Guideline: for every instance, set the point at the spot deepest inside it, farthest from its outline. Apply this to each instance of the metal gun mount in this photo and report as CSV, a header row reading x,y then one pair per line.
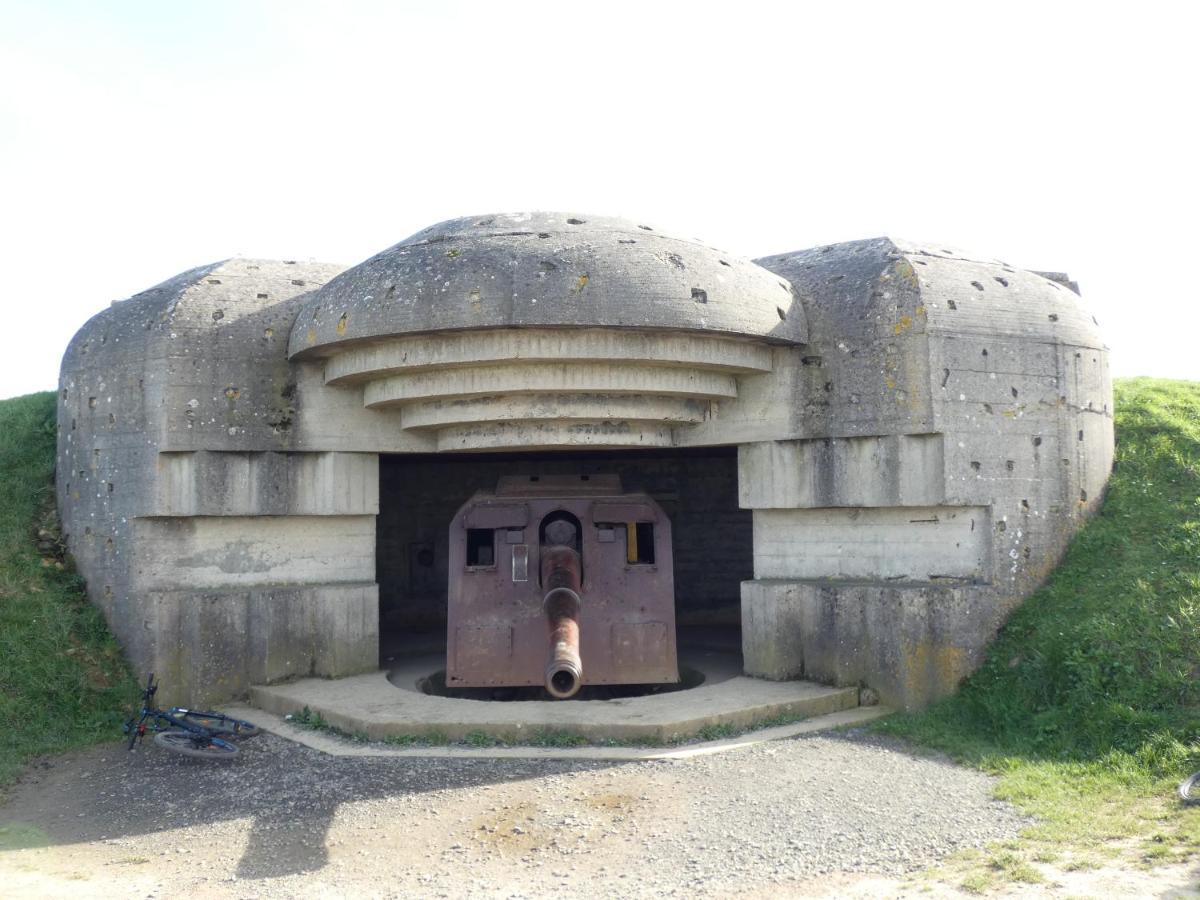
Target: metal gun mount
x,y
561,581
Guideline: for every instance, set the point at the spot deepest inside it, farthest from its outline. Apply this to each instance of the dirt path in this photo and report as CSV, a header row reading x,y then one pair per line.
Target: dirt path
x,y
817,816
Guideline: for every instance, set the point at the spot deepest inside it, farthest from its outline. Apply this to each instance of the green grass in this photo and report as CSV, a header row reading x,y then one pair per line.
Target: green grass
x,y
63,682
1088,705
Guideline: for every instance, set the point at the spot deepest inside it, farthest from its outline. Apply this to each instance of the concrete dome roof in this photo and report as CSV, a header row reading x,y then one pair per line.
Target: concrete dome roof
x,y
547,270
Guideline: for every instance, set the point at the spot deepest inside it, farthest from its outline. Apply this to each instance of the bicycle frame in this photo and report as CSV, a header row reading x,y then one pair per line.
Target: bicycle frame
x,y
161,720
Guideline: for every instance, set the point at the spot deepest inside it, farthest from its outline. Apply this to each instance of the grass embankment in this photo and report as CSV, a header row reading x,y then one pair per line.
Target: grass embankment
x,y
63,682
1088,706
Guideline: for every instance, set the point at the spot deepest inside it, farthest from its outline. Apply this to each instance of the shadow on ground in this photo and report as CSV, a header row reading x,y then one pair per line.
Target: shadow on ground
x,y
292,793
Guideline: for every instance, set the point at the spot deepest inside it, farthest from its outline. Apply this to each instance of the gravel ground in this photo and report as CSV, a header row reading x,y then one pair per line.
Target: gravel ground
x,y
284,821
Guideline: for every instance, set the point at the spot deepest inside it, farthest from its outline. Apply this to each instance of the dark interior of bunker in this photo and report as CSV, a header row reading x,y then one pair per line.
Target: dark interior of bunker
x,y
420,494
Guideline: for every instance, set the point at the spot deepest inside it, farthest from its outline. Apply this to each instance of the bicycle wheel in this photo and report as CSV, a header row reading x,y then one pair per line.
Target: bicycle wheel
x,y
221,725
196,746
1189,791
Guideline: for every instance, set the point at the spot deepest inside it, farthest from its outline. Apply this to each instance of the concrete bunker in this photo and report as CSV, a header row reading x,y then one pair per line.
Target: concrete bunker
x,y
255,457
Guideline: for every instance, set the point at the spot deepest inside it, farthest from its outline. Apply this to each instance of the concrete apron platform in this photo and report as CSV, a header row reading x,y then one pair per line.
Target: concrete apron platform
x,y
379,708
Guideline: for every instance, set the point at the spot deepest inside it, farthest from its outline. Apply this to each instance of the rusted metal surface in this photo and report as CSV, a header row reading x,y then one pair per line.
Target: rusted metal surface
x,y
561,576
576,589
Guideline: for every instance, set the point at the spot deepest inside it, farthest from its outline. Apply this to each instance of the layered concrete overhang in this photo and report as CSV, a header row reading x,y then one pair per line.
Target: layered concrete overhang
x,y
548,329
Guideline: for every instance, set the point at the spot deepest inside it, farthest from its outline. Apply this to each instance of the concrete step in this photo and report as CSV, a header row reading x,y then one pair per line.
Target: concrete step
x,y
376,707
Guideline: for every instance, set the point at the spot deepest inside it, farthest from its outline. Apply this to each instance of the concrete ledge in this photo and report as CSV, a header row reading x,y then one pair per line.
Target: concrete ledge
x,y
337,746
372,706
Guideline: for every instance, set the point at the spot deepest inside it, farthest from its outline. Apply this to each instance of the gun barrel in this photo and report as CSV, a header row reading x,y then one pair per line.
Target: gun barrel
x,y
561,573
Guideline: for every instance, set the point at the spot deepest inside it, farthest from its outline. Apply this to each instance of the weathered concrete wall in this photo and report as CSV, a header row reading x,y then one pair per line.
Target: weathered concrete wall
x,y
185,536
981,394
919,433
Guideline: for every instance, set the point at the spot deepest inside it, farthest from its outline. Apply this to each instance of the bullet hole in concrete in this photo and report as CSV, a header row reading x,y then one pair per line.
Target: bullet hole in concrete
x,y
576,222
627,241
218,315
987,408
1037,440
952,304
91,402
1003,281
232,393
1079,356
64,393
1080,436
985,351
1014,392
1053,317
1009,464
722,262
543,234
298,282
645,228
262,296
108,590
700,296
87,531
945,376
810,361
1025,505
268,333
108,544
1083,496
112,419
976,465
676,260
72,424
110,487
977,285
828,386
214,280
391,292
546,266
782,314
1002,525
1025,552
341,323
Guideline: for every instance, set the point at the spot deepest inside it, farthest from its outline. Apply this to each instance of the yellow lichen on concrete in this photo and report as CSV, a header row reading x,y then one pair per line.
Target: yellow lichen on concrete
x,y
926,663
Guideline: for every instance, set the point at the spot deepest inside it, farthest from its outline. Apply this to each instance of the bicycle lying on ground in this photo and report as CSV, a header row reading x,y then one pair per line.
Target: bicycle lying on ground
x,y
190,732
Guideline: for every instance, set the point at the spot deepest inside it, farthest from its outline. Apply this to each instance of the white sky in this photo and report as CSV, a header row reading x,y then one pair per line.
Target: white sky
x,y
141,139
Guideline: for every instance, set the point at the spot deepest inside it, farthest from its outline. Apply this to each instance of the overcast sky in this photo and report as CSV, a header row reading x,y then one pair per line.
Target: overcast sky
x,y
141,139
